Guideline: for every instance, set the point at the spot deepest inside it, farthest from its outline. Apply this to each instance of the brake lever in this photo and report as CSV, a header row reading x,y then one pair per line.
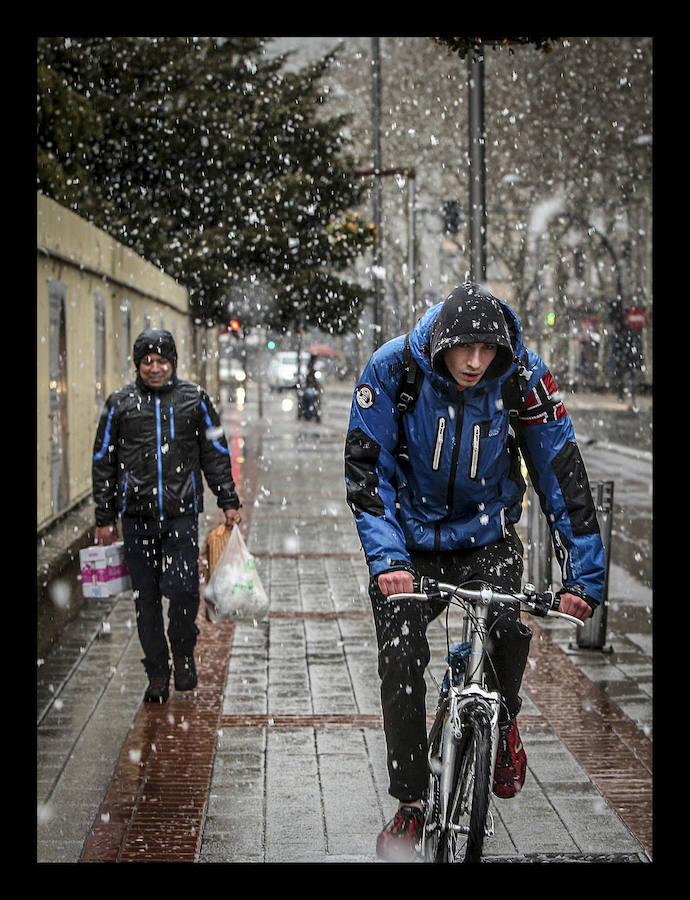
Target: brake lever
x,y
424,589
429,586
544,603
547,604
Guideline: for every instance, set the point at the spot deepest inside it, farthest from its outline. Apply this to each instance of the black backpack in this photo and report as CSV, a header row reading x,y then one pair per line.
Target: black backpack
x,y
514,391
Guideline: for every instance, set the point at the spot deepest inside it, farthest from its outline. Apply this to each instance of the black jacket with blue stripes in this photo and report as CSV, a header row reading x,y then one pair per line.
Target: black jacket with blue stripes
x,y
151,449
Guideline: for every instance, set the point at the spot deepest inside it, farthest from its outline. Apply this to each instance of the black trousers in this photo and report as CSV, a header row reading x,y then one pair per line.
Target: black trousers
x,y
163,561
404,653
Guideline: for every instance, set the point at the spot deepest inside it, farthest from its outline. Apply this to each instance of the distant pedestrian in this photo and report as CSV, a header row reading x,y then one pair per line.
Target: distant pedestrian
x,y
436,489
155,438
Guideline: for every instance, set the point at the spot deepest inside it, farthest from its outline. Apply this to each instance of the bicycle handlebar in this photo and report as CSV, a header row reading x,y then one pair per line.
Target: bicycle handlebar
x,y
537,604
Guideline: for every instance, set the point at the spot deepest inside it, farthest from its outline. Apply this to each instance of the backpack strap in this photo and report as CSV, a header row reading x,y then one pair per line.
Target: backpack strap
x,y
408,391
411,382
514,391
514,394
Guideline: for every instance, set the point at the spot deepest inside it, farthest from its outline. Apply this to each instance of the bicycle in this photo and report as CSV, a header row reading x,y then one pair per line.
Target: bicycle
x,y
463,739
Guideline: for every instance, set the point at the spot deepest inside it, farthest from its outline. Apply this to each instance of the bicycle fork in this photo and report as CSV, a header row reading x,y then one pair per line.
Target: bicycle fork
x,y
449,746
474,675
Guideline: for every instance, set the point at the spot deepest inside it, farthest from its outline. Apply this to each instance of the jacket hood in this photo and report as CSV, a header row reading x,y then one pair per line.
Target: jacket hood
x,y
155,340
469,314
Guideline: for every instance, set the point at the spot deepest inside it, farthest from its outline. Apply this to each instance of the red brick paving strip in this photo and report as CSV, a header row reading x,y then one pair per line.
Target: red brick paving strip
x,y
616,755
155,807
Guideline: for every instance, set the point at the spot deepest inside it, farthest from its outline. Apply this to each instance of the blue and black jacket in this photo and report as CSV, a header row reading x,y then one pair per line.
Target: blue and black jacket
x,y
151,449
459,485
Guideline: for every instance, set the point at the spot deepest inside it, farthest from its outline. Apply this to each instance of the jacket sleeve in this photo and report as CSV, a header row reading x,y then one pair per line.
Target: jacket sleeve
x,y
214,456
558,475
104,466
370,472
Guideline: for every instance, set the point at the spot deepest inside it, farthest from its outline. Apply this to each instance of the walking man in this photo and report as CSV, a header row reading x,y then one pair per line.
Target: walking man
x,y
155,438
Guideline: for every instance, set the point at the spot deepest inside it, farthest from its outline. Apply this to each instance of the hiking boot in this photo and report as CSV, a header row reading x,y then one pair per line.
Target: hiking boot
x,y
511,762
399,839
158,688
185,673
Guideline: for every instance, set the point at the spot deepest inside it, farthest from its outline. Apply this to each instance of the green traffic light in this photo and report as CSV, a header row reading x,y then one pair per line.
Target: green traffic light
x,y
271,345
550,318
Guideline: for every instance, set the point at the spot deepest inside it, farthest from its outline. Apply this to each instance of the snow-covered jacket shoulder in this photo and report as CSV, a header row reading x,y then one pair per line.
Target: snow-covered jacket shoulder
x,y
459,484
150,451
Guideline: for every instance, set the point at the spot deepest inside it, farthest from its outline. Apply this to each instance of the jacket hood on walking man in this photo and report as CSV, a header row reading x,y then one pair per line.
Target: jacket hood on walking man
x,y
155,358
155,340
459,485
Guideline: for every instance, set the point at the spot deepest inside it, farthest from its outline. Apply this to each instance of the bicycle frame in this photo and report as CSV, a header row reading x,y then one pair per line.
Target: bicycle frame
x,y
461,702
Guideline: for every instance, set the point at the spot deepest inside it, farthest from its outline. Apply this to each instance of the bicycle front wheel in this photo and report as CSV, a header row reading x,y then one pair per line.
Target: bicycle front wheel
x,y
463,840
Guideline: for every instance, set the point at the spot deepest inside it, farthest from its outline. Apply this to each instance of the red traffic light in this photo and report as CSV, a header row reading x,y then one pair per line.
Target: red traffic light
x,y
235,325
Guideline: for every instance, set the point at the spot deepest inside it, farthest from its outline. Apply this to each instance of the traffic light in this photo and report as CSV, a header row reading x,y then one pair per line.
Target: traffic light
x,y
451,217
551,318
235,327
271,345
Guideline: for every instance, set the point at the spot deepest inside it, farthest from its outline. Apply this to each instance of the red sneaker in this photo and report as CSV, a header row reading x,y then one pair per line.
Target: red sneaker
x,y
398,840
511,762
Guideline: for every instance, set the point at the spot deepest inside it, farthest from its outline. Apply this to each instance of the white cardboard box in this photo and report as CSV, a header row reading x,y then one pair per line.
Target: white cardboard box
x,y
104,571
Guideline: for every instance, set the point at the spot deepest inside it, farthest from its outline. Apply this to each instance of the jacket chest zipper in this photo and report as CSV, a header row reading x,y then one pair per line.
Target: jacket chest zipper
x,y
454,458
453,470
438,446
476,442
159,455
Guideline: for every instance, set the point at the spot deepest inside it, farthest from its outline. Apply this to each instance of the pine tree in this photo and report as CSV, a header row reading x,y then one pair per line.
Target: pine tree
x,y
208,159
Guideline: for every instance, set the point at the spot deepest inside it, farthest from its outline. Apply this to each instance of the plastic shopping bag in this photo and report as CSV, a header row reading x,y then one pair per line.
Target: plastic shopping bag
x,y
235,590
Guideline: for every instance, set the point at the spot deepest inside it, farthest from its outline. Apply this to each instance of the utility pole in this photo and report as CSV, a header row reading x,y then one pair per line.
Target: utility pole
x,y
376,154
411,250
477,136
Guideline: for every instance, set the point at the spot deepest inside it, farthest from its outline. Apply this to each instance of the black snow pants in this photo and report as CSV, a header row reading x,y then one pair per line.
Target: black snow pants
x,y
163,560
404,652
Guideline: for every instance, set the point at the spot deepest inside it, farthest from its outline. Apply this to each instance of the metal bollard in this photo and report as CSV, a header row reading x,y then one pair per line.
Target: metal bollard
x,y
539,548
592,635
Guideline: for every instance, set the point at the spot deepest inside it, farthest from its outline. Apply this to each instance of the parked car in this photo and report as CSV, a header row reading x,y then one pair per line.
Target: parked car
x,y
282,370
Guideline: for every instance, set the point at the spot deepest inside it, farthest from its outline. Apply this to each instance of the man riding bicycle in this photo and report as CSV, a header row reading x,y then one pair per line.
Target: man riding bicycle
x,y
436,489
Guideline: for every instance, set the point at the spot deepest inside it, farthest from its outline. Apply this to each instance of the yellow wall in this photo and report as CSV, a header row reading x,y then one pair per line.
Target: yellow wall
x,y
87,261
